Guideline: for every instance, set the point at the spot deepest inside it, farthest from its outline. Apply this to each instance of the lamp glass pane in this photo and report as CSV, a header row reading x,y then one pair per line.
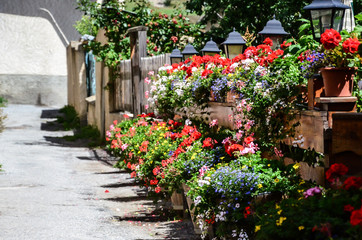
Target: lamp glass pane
x,y
210,53
322,20
233,50
176,60
186,56
338,19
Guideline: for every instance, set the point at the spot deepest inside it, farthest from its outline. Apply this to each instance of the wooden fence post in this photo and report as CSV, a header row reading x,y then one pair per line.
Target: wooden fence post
x,y
138,42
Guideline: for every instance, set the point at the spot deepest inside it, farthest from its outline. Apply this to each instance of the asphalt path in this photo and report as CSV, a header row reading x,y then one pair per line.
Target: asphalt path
x,y
50,189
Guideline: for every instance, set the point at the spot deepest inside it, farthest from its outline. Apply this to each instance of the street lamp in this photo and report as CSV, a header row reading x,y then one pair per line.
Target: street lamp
x,y
234,44
210,48
176,56
326,14
275,31
189,51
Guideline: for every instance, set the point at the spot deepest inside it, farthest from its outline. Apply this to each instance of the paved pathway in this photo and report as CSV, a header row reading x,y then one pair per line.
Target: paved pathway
x,y
49,190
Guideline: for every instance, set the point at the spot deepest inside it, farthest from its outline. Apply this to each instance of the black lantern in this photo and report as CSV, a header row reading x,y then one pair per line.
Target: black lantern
x,y
326,14
234,44
189,51
176,56
210,48
275,31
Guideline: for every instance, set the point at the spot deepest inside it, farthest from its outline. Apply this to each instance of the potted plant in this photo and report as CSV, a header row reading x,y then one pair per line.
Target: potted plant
x,y
341,62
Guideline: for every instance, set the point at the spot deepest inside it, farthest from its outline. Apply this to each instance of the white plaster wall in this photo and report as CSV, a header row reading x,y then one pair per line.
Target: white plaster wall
x,y
34,35
30,45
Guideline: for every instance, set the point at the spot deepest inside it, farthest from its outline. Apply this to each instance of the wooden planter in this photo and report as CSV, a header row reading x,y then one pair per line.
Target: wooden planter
x,y
189,202
177,200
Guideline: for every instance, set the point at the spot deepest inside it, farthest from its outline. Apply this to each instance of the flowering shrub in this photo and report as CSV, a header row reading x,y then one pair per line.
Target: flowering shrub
x,y
317,213
228,193
165,31
340,53
265,87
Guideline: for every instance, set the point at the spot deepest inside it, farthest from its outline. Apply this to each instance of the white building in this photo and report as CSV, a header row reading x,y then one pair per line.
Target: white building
x,y
33,39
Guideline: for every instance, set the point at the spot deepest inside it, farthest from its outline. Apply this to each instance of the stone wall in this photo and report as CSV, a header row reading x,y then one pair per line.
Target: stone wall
x,y
34,37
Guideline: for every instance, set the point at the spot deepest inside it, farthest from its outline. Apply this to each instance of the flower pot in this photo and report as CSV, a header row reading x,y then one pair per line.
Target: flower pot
x,y
338,82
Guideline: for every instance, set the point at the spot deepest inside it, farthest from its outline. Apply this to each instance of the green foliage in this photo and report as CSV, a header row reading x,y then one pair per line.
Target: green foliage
x,y
88,132
69,118
322,216
242,14
165,33
85,26
70,121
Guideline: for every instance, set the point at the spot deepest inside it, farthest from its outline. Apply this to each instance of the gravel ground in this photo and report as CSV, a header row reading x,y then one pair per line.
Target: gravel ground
x,y
53,189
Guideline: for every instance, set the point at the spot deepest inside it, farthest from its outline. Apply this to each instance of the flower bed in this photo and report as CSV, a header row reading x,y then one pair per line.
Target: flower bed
x,y
235,191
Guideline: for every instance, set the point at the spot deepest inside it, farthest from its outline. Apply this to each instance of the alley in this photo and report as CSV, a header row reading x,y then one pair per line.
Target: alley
x,y
49,190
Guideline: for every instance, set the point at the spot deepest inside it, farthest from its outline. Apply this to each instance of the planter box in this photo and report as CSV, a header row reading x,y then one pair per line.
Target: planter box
x,y
189,202
177,200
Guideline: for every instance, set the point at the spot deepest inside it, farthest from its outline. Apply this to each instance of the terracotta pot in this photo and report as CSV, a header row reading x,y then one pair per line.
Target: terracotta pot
x,y
338,82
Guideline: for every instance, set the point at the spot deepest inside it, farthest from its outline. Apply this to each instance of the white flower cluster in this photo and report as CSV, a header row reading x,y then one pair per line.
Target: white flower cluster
x,y
221,216
202,182
242,235
247,63
298,140
197,200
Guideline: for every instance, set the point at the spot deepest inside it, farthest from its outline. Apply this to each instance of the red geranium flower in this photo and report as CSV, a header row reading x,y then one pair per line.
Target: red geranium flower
x,y
233,148
268,41
284,45
209,142
330,38
206,72
356,217
157,189
336,170
350,45
247,211
248,140
355,182
348,208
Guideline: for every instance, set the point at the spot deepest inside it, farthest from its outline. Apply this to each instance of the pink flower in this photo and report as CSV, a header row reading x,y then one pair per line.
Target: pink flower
x,y
147,80
147,94
108,134
124,146
151,73
146,106
214,122
202,170
174,39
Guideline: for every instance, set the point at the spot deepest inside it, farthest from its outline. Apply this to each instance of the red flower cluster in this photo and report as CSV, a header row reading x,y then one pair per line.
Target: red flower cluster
x,y
144,145
231,147
356,217
209,142
268,41
350,45
352,182
285,45
335,171
330,39
247,211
